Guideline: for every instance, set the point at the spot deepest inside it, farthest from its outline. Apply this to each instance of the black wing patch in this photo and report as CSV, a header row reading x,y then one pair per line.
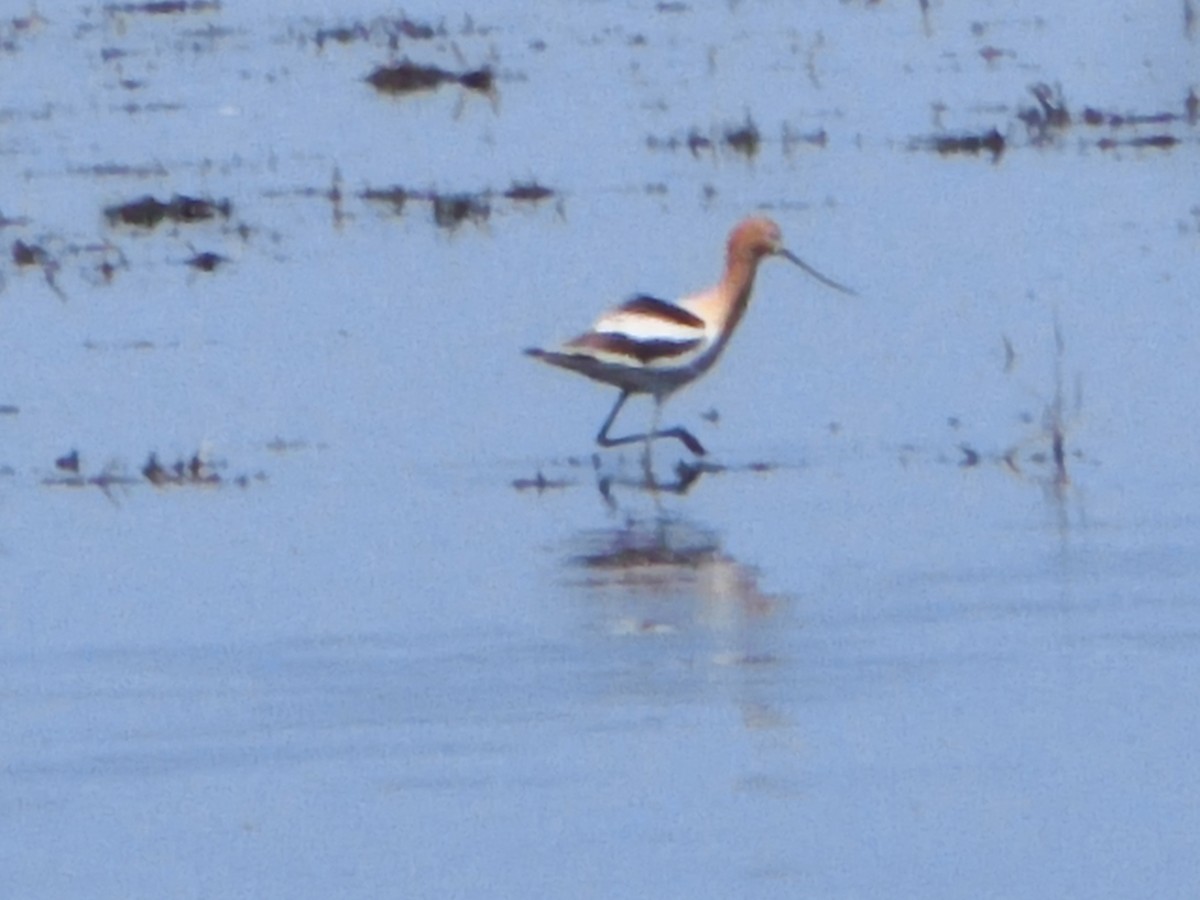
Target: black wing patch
x,y
623,345
661,309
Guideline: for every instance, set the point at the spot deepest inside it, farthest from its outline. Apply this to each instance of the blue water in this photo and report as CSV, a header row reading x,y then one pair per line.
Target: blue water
x,y
890,648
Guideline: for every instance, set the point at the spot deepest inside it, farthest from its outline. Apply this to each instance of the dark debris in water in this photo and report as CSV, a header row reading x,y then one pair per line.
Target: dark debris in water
x,y
105,481
396,196
452,209
744,139
164,7
406,77
281,445
540,483
7,222
991,142
68,462
528,192
389,29
139,345
16,28
1049,118
1097,118
792,139
1153,141
148,211
194,471
97,262
206,261
24,254
684,476
27,255
1042,455
121,170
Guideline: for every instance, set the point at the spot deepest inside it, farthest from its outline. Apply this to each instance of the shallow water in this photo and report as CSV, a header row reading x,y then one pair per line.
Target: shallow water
x,y
928,629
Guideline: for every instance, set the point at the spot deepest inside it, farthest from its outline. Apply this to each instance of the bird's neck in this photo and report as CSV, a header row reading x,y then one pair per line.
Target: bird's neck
x,y
723,305
734,290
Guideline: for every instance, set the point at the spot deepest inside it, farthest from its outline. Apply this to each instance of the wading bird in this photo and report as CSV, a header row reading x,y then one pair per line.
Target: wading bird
x,y
652,346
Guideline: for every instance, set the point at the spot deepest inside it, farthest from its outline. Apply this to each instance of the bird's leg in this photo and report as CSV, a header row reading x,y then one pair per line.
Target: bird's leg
x,y
647,460
602,437
680,434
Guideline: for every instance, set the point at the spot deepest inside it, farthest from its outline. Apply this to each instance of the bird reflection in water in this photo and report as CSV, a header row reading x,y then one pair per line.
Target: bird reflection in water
x,y
691,619
665,576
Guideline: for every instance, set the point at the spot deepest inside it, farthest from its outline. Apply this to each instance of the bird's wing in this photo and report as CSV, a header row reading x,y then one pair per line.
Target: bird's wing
x,y
648,318
643,331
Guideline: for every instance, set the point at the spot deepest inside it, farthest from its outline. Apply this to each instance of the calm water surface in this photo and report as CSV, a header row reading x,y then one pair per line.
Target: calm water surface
x,y
931,628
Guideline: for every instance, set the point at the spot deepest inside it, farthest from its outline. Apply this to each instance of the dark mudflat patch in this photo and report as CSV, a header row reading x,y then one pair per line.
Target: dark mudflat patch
x,y
407,77
148,211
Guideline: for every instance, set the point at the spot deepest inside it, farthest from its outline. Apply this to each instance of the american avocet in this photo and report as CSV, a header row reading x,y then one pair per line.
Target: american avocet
x,y
651,346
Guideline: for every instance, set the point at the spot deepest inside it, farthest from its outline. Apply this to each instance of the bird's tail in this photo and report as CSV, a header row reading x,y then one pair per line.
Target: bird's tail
x,y
574,362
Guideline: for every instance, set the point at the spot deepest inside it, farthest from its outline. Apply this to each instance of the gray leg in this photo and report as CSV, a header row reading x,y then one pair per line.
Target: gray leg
x,y
680,434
